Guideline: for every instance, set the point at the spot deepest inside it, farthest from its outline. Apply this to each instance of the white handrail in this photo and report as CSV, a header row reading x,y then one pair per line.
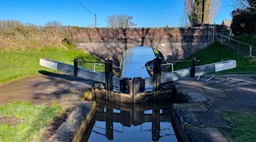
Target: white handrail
x,y
228,37
237,41
167,64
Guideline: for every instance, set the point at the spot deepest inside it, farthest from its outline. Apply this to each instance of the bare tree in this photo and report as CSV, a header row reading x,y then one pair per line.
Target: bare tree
x,y
243,4
184,21
120,21
10,24
193,9
15,34
54,24
240,4
55,28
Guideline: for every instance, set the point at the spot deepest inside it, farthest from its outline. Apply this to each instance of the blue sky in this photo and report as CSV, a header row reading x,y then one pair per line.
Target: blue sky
x,y
146,13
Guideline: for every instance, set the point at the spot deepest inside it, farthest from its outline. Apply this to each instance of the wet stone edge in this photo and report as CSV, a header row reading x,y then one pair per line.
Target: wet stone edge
x,y
188,125
73,129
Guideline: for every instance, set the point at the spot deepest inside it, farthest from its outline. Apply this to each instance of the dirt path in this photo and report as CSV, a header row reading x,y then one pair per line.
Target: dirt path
x,y
48,89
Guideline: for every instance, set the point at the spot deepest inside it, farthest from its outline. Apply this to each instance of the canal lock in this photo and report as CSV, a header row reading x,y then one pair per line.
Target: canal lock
x,y
134,111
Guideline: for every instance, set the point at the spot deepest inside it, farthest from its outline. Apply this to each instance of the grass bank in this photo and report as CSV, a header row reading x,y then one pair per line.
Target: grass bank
x,y
24,122
217,52
242,129
17,63
251,39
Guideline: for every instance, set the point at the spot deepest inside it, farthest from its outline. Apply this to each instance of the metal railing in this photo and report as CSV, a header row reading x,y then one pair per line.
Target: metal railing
x,y
76,62
239,46
172,64
97,64
167,64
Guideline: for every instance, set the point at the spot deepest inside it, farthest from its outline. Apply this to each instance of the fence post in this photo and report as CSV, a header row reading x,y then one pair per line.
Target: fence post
x,y
229,41
75,67
156,77
172,67
221,40
193,68
213,34
250,54
108,77
238,45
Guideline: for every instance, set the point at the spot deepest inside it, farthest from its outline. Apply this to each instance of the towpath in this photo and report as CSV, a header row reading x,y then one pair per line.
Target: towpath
x,y
50,89
207,99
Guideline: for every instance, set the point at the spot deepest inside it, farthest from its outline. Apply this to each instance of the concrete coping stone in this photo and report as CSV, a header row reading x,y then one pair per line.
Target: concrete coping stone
x,y
193,97
189,125
81,115
189,107
185,116
204,135
196,97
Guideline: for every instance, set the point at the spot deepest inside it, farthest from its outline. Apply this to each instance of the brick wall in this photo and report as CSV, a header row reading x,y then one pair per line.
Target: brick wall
x,y
174,43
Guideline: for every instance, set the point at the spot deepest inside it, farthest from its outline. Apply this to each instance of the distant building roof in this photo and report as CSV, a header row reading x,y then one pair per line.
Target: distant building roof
x,y
226,23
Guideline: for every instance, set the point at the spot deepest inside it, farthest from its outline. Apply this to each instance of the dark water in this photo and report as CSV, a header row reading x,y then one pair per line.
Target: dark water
x,y
134,61
131,123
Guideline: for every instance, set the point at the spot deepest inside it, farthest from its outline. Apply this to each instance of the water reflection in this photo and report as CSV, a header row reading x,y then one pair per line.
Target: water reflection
x,y
134,61
136,122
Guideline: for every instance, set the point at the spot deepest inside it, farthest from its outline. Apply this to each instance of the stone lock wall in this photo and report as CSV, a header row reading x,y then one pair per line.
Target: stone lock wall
x,y
173,43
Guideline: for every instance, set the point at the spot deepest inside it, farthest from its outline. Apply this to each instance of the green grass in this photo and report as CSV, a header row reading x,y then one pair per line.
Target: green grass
x,y
32,121
216,53
251,39
18,63
243,127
